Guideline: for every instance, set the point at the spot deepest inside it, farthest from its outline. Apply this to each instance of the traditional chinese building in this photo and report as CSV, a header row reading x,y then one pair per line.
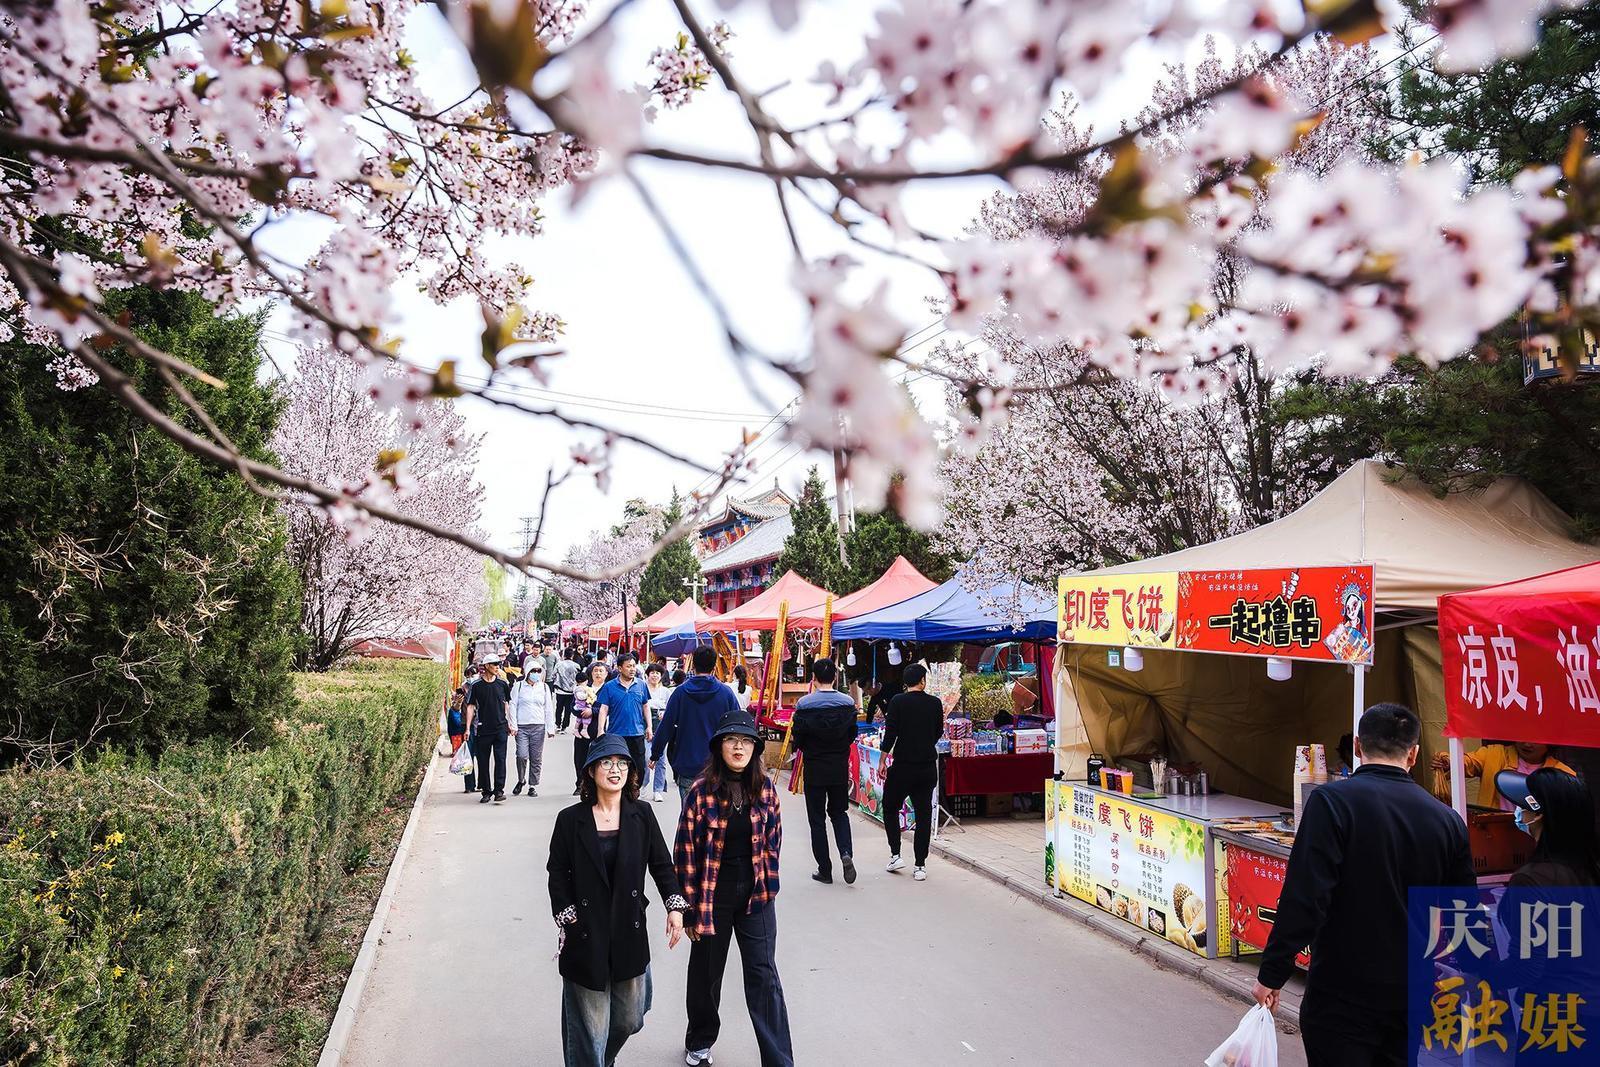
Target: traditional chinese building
x,y
738,547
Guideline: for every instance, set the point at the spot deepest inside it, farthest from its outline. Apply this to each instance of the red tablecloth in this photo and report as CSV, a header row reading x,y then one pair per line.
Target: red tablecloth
x,y
1016,772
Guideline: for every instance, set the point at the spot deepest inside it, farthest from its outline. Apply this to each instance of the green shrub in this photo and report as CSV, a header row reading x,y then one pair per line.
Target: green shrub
x,y
983,695
151,908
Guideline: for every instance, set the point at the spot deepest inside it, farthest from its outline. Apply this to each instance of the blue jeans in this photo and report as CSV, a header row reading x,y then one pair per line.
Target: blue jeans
x,y
658,782
595,1025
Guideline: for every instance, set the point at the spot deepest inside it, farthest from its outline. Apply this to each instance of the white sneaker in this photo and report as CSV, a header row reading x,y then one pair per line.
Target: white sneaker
x,y
659,798
920,874
895,864
697,1056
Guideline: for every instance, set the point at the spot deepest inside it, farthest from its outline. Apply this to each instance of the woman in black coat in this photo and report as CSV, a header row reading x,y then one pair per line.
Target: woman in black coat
x,y
598,856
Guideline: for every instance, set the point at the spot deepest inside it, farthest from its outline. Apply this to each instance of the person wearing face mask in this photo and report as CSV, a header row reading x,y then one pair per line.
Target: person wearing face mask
x,y
1361,844
1486,763
531,708
1554,808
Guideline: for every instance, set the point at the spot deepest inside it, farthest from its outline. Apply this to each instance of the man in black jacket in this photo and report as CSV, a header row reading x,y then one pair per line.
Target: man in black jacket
x,y
912,728
1361,844
487,700
824,729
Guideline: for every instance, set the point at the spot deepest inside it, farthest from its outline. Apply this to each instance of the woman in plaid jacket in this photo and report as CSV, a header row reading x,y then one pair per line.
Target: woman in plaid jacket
x,y
727,858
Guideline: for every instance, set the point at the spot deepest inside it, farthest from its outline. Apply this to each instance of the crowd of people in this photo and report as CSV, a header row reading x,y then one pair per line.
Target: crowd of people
x,y
631,730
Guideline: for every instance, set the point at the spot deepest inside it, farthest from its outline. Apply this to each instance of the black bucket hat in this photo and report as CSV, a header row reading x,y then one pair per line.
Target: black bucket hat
x,y
738,724
1513,785
607,745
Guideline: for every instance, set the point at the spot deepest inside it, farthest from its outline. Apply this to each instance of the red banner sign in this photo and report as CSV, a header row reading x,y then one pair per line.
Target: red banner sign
x,y
1255,881
1524,668
1317,613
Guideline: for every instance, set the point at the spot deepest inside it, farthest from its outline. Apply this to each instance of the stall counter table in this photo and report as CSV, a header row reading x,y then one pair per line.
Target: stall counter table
x,y
1008,772
1147,860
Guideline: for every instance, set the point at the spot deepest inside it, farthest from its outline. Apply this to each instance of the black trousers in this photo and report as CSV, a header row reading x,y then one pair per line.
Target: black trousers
x,y
763,992
491,743
637,750
1334,1038
563,710
825,803
914,783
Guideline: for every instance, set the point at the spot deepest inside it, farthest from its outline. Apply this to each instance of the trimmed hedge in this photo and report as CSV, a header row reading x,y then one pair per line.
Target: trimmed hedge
x,y
151,909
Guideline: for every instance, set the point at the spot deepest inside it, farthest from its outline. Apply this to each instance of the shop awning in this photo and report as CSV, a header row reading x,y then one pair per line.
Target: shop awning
x,y
1422,546
1522,659
951,612
900,582
761,613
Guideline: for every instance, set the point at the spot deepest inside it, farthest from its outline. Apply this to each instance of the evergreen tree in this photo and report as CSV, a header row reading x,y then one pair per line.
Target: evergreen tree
x,y
878,539
664,577
1468,421
812,548
1513,114
145,595
551,610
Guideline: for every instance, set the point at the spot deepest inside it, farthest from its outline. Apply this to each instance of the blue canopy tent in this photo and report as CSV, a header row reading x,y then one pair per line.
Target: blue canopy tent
x,y
952,613
679,641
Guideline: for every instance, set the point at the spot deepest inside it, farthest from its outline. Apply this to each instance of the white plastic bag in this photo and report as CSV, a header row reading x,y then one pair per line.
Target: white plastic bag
x,y
462,763
1253,1044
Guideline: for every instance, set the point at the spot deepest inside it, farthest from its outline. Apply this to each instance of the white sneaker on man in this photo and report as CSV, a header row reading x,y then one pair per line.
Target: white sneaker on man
x,y
660,797
695,1057
895,864
920,874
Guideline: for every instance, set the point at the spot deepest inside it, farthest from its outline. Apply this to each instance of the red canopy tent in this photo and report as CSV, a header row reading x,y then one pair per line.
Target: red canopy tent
x,y
611,629
900,582
651,623
683,614
761,613
1521,661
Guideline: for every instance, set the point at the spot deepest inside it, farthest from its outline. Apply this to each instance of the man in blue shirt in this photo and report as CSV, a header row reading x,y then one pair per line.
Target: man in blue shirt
x,y
623,704
692,715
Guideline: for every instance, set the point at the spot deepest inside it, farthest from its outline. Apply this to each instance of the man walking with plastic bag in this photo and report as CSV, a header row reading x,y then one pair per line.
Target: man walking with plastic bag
x,y
1361,844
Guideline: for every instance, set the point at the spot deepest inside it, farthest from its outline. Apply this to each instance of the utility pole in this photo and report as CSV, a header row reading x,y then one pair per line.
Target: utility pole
x,y
841,501
522,585
695,584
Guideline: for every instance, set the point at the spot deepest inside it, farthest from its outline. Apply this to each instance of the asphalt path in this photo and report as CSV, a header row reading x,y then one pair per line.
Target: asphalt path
x,y
954,970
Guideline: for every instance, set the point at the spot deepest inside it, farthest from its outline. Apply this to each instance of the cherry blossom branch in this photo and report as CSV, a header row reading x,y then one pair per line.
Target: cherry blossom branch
x,y
123,389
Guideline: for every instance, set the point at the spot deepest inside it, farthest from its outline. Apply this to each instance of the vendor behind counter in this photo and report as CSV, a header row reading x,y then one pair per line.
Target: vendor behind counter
x,y
1484,763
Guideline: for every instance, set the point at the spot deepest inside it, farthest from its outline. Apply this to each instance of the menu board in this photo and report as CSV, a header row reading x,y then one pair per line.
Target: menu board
x,y
1142,864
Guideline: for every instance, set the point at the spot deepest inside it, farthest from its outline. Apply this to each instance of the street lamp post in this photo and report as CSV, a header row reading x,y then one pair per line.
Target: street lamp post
x,y
622,587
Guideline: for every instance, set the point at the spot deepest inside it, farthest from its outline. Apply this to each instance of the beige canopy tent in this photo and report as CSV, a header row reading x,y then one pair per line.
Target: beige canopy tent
x,y
1223,712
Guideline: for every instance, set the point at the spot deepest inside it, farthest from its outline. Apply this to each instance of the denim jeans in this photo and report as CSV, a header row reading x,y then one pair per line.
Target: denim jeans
x,y
763,993
595,1025
658,781
685,781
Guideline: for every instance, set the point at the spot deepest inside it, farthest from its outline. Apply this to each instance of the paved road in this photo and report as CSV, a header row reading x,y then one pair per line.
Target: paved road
x,y
952,970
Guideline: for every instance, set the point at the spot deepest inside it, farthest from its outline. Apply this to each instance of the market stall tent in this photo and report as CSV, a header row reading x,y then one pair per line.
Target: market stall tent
x,y
901,581
951,613
610,629
761,613
651,622
1521,661
1209,708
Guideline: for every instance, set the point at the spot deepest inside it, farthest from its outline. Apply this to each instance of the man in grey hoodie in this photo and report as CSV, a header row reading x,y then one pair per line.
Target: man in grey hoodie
x,y
692,714
823,731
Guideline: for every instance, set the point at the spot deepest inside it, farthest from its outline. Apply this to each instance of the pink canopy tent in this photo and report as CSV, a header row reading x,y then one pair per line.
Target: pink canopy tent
x,y
651,623
900,582
682,615
761,613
